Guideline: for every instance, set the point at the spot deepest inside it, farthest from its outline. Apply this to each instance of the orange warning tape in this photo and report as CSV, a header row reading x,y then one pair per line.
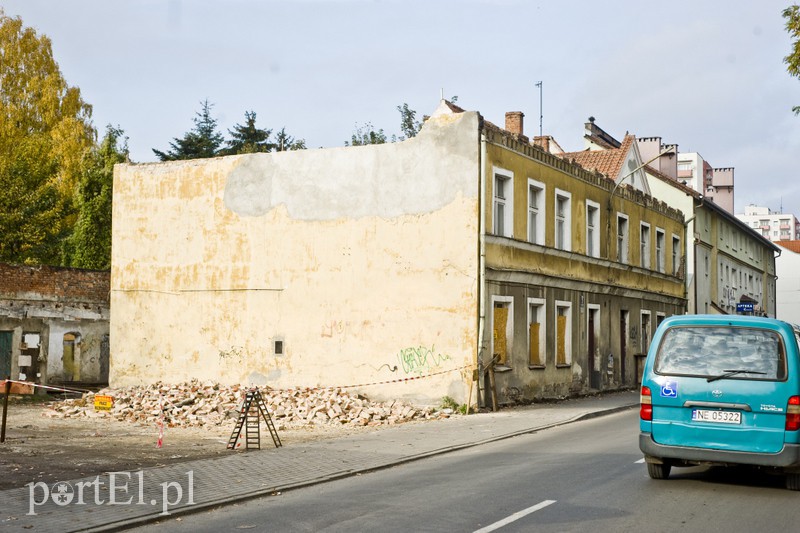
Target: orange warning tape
x,y
399,380
40,386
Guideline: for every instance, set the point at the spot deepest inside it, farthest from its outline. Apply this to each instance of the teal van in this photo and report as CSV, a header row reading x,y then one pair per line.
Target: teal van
x,y
722,390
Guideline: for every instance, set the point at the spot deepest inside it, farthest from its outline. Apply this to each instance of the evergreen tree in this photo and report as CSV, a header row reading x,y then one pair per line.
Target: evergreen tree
x,y
90,244
201,142
247,138
285,142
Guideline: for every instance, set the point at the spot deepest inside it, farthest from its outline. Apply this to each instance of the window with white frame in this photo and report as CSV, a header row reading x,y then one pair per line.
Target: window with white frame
x,y
536,332
563,333
503,213
644,245
502,328
592,229
622,238
660,243
563,217
676,255
536,214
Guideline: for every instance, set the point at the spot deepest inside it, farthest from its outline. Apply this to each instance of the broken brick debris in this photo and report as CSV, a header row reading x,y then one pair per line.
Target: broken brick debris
x,y
208,404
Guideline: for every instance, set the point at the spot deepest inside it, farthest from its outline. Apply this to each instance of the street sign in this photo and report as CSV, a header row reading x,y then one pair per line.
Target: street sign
x,y
103,402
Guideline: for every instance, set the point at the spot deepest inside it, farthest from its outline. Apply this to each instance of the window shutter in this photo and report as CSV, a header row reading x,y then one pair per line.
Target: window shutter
x,y
561,340
499,333
535,357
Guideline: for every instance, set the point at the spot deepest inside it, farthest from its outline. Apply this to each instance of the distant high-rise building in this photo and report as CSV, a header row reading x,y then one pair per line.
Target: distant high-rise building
x,y
772,226
714,183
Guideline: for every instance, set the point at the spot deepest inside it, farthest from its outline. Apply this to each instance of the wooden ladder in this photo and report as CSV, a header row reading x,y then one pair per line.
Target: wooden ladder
x,y
253,410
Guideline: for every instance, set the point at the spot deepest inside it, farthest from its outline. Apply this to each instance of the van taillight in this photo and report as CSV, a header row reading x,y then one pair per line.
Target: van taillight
x,y
646,409
793,414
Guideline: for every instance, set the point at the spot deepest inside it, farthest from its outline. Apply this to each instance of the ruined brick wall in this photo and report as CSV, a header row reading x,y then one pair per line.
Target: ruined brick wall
x,y
54,284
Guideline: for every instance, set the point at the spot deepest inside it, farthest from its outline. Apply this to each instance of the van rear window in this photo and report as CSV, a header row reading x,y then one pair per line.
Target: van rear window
x,y
708,351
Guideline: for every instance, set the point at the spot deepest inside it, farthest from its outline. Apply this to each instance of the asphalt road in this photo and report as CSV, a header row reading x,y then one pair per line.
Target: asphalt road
x,y
586,476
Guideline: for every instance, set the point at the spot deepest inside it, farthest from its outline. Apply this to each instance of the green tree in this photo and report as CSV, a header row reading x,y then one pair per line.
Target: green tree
x,y
409,125
248,139
89,246
33,212
200,142
285,142
45,130
366,134
792,16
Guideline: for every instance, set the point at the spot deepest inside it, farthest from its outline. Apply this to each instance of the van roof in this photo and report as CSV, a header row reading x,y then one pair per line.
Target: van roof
x,y
733,320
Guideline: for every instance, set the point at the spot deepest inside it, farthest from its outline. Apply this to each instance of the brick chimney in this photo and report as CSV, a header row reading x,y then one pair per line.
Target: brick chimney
x,y
543,142
514,122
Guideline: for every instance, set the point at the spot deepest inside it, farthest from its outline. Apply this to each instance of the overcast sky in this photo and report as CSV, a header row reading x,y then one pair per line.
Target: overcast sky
x,y
706,75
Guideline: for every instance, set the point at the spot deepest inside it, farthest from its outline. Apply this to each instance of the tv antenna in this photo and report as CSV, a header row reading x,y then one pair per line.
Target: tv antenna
x,y
539,85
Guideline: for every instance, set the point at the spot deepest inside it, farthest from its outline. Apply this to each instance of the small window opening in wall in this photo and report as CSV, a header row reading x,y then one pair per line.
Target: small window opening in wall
x,y
278,347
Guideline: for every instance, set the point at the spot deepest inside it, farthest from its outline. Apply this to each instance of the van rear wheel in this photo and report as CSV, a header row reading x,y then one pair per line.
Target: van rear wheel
x,y
659,470
793,481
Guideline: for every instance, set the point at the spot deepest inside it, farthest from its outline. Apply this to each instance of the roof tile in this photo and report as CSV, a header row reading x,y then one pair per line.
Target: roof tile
x,y
608,162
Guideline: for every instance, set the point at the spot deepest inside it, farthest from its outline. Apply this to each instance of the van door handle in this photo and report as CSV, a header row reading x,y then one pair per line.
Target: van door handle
x,y
719,405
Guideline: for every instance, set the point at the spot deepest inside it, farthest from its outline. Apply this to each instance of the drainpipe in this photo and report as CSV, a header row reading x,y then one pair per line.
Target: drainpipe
x,y
481,260
694,248
686,281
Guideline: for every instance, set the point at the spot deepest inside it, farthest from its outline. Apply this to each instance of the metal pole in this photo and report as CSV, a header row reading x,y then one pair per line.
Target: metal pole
x,y
5,410
539,85
492,386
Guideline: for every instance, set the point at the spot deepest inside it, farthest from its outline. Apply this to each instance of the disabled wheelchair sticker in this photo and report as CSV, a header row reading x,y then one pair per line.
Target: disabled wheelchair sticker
x,y
669,389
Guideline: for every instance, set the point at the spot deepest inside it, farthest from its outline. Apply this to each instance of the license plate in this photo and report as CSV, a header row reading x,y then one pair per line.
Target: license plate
x,y
722,417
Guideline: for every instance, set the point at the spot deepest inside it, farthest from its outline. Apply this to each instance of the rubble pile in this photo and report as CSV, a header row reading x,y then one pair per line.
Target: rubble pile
x,y
196,404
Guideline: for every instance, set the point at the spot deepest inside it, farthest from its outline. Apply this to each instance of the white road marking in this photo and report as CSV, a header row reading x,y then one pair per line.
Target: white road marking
x,y
514,517
640,461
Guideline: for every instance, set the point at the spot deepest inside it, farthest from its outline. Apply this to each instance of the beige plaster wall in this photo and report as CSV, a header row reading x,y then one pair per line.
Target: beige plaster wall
x,y
362,261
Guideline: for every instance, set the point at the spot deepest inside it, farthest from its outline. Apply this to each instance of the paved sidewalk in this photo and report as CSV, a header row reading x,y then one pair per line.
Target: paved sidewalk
x,y
142,496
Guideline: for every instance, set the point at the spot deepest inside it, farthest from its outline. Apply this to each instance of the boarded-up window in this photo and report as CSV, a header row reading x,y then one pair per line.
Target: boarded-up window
x,y
535,355
561,340
499,334
563,333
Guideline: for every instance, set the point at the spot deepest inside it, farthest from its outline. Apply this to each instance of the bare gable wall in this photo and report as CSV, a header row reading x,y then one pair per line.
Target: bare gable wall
x,y
334,267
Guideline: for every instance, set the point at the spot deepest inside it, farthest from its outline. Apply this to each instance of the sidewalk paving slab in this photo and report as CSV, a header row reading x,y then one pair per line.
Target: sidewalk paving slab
x,y
192,486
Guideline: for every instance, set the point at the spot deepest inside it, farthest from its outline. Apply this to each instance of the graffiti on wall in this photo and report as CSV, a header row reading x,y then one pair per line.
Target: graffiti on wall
x,y
235,354
333,327
421,359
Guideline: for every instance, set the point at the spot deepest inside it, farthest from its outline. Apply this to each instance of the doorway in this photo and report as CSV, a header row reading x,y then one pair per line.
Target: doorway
x,y
5,354
623,344
72,357
29,357
593,355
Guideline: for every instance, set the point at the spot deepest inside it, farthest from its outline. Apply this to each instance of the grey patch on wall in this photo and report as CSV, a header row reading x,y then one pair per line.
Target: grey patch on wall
x,y
258,379
387,180
249,188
